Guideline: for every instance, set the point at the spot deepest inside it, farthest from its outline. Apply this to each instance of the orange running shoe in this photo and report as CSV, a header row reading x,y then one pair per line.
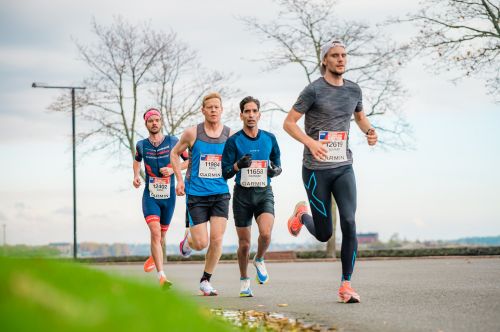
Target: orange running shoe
x,y
165,283
347,294
294,223
149,264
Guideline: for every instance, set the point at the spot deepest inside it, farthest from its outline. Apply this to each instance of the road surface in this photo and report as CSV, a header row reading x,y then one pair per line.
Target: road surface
x,y
443,294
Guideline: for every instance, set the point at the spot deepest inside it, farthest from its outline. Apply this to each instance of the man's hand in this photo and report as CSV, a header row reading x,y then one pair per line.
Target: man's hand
x,y
273,170
166,171
244,161
318,150
137,181
371,136
180,188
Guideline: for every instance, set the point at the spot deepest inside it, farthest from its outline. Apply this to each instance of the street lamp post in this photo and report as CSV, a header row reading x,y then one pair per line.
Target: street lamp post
x,y
72,88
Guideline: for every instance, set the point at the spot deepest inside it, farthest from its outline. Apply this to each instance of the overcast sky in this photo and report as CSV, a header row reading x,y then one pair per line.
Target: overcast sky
x,y
446,187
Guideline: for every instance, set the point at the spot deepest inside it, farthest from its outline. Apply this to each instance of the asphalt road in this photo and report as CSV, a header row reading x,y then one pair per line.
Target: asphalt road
x,y
445,294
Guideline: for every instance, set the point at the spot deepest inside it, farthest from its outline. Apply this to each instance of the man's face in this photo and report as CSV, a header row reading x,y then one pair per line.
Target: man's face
x,y
153,124
212,110
335,60
250,115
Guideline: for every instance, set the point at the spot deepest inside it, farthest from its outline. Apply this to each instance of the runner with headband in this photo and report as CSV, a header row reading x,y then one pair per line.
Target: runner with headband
x,y
158,199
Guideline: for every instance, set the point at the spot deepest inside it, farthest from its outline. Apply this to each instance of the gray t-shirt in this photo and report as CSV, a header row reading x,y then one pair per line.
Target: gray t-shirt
x,y
329,108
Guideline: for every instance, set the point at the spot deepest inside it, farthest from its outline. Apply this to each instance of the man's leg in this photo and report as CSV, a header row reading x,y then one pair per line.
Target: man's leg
x,y
156,252
217,229
199,236
197,217
167,211
244,236
317,185
344,191
265,222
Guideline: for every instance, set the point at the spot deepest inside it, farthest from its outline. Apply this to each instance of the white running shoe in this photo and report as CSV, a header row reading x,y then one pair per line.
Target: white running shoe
x,y
207,289
184,247
245,290
262,275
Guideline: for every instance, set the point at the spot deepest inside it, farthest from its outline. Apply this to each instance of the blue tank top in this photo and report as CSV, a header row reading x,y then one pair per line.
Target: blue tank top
x,y
204,173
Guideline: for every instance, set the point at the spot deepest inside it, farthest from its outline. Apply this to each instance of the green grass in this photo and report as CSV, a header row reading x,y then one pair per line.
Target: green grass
x,y
47,295
25,251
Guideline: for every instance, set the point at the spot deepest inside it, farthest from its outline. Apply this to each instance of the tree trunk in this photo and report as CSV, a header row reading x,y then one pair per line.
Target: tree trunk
x,y
330,245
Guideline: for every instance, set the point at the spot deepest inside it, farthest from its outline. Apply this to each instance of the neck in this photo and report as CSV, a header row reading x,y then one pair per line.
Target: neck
x,y
251,132
156,138
334,79
213,126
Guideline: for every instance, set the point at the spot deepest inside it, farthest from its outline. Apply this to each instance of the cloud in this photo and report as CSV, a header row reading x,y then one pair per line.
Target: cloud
x,y
64,210
20,206
419,222
3,217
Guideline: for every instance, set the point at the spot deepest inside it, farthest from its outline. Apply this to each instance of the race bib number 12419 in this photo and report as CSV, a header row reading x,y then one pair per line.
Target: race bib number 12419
x,y
336,143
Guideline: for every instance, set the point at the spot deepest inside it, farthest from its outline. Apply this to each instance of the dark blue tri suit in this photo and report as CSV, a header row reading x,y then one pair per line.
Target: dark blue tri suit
x,y
162,207
252,193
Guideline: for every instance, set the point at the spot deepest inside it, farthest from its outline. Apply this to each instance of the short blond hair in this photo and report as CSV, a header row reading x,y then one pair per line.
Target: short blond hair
x,y
211,95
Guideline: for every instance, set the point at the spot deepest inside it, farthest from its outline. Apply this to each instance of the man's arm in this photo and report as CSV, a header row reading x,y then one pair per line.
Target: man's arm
x,y
136,166
186,141
364,124
317,148
229,159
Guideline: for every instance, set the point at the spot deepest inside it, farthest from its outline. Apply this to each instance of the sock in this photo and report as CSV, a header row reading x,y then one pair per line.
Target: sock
x,y
259,259
346,277
241,278
206,276
161,274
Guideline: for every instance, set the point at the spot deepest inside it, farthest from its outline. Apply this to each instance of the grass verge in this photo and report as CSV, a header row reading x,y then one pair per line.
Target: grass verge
x,y
47,295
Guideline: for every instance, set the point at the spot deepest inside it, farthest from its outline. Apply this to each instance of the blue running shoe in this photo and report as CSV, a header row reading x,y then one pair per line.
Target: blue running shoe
x,y
262,276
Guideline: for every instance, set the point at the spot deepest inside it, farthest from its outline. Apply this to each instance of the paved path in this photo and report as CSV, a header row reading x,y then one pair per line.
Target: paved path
x,y
445,294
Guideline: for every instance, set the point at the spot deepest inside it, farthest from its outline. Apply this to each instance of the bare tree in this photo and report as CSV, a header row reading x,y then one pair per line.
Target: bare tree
x,y
461,35
297,34
302,27
133,67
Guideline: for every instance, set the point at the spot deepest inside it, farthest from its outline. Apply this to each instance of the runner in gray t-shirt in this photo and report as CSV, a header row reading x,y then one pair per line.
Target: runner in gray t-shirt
x,y
328,105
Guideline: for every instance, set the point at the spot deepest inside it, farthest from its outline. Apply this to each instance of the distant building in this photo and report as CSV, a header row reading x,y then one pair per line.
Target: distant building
x,y
64,248
366,238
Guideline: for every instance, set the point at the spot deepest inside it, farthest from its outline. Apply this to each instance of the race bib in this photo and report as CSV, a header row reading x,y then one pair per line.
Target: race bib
x,y
255,175
159,188
210,166
336,143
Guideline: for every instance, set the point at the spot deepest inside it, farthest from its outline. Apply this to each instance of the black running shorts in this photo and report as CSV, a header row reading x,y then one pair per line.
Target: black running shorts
x,y
251,202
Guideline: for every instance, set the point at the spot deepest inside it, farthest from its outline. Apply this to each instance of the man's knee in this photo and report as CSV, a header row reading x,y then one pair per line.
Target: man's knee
x,y
323,237
265,237
216,241
348,225
199,244
156,236
244,246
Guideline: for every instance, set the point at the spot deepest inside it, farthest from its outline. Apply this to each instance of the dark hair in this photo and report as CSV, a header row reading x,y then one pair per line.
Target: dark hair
x,y
247,100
